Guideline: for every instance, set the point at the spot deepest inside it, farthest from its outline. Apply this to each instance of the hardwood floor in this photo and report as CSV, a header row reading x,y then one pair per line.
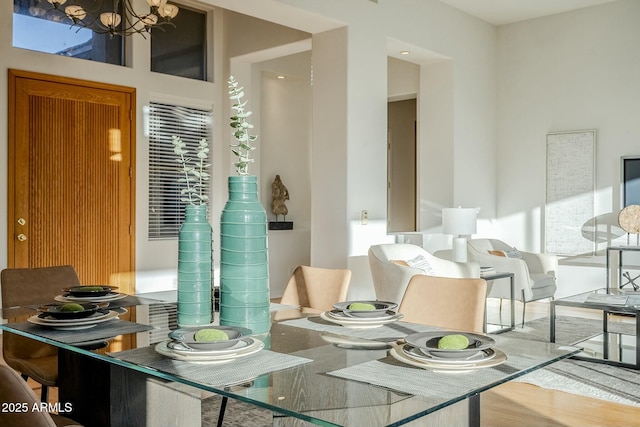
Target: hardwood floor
x,y
525,405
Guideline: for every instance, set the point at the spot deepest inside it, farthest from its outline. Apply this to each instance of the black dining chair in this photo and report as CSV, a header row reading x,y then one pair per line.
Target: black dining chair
x,y
32,286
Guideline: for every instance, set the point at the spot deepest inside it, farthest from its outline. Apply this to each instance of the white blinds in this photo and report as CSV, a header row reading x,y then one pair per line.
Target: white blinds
x,y
166,211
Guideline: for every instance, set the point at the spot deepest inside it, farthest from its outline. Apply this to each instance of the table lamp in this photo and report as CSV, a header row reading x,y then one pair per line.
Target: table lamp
x,y
459,222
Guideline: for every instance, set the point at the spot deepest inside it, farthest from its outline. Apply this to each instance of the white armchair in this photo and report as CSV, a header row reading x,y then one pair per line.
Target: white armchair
x,y
534,273
391,276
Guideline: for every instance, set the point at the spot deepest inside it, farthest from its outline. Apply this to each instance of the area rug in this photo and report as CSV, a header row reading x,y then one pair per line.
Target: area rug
x,y
584,378
236,414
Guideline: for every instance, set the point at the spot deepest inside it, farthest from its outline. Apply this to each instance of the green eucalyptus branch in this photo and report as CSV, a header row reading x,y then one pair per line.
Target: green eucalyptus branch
x,y
194,176
241,126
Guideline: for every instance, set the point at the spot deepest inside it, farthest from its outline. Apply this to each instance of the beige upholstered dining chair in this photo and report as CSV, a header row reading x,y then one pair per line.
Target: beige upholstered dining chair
x,y
317,288
33,286
15,390
452,303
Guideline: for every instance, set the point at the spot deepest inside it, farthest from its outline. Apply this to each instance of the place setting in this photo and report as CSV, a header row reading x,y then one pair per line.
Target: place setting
x,y
362,314
450,351
90,293
210,344
72,316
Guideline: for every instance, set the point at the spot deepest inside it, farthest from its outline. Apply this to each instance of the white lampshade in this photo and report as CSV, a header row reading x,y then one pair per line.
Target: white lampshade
x,y
157,3
459,221
110,19
168,11
75,12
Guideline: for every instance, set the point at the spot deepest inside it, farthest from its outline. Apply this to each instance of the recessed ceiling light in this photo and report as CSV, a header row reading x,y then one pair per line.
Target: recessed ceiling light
x,y
280,76
405,52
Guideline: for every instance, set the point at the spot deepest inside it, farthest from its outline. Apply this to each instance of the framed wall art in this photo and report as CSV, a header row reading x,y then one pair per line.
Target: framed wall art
x,y
570,192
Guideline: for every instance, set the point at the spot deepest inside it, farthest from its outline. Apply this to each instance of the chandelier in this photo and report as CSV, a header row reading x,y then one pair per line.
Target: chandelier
x,y
105,20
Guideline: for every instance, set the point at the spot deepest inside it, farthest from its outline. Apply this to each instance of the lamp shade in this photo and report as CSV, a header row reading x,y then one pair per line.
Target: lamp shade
x,y
459,221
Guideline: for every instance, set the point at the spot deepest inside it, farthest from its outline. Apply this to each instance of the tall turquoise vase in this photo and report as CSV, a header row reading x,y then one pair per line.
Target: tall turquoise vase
x,y
244,264
194,268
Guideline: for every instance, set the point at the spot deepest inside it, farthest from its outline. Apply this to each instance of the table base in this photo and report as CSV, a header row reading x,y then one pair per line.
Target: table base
x,y
609,348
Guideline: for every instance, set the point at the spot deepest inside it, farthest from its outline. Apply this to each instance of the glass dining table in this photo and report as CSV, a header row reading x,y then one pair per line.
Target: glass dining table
x,y
308,370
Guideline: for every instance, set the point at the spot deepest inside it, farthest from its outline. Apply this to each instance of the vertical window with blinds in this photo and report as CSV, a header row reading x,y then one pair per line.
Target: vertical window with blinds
x,y
166,211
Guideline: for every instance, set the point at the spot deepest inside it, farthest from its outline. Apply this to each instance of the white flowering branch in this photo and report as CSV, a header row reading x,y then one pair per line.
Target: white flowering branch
x,y
194,170
241,126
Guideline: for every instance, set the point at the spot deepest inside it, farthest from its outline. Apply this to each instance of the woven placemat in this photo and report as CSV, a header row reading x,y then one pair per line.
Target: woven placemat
x,y
390,330
104,330
237,371
395,375
276,306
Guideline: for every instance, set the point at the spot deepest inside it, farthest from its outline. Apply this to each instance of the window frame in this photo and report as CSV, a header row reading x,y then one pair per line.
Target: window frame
x,y
207,39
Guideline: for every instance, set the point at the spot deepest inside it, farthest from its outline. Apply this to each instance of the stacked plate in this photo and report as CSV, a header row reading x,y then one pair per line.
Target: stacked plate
x,y
90,293
362,314
186,344
54,316
422,350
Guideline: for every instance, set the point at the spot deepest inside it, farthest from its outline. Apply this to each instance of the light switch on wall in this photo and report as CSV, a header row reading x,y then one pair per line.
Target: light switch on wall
x,y
364,217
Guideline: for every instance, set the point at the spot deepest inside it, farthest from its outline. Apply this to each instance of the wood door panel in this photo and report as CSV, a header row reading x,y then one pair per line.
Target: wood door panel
x,y
72,180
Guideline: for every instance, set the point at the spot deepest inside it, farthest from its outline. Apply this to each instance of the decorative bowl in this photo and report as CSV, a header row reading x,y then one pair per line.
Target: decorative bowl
x,y
427,342
90,290
55,310
380,310
186,337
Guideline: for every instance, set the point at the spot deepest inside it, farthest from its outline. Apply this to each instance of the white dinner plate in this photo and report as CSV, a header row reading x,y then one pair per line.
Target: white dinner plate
x,y
253,346
73,324
480,356
398,353
50,320
113,296
345,341
343,315
357,323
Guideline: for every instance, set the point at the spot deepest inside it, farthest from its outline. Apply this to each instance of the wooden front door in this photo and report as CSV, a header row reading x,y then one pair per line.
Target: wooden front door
x,y
71,194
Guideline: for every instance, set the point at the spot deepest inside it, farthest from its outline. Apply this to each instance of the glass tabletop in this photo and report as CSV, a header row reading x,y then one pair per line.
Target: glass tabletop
x,y
618,299
309,368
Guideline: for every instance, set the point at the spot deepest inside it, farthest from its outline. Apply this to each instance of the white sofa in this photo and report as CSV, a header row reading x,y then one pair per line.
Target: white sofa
x,y
390,278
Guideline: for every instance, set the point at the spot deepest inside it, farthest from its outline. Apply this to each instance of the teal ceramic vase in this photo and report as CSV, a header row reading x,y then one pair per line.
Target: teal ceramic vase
x,y
194,268
244,265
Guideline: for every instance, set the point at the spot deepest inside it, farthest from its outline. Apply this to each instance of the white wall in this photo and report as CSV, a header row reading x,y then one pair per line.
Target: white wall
x,y
469,125
348,164
286,150
572,71
495,96
151,256
286,134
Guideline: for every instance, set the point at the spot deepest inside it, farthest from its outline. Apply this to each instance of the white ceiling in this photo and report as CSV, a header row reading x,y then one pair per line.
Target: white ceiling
x,y
499,12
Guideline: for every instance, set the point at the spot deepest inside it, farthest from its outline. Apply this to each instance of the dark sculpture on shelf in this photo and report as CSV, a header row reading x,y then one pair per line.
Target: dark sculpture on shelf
x,y
280,195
